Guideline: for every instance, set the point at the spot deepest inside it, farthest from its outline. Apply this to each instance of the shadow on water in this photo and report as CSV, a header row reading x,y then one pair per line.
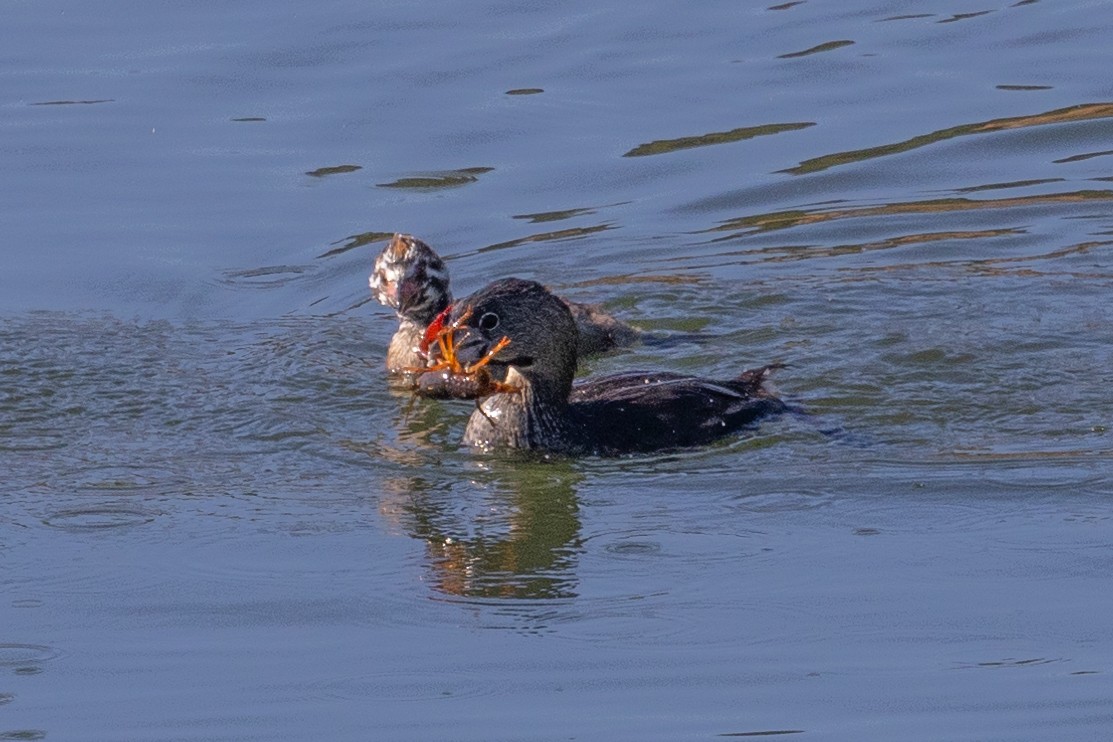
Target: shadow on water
x,y
560,234
741,226
818,49
333,170
1071,114
435,180
351,242
663,146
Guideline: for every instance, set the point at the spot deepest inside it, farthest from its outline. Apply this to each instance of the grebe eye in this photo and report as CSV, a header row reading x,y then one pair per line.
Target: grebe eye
x,y
488,321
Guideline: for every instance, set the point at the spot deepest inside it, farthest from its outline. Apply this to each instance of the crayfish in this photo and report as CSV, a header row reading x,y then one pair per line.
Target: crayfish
x,y
446,376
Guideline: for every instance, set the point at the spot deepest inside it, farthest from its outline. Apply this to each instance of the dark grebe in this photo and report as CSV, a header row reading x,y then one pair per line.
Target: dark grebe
x,y
517,343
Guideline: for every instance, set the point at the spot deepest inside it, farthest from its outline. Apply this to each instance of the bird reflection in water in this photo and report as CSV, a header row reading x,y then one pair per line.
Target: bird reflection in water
x,y
510,531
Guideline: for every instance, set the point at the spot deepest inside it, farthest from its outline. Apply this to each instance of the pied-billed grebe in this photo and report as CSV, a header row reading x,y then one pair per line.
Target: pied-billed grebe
x,y
524,339
410,278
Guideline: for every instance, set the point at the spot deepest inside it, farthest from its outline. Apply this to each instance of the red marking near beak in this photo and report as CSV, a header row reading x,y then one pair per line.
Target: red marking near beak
x,y
434,329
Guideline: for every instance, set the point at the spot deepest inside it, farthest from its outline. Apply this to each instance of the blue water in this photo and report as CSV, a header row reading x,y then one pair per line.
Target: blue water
x,y
218,522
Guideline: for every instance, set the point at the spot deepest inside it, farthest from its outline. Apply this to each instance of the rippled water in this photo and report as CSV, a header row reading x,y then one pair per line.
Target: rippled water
x,y
218,522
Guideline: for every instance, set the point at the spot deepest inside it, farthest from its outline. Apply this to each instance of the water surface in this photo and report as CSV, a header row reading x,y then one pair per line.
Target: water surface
x,y
218,522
